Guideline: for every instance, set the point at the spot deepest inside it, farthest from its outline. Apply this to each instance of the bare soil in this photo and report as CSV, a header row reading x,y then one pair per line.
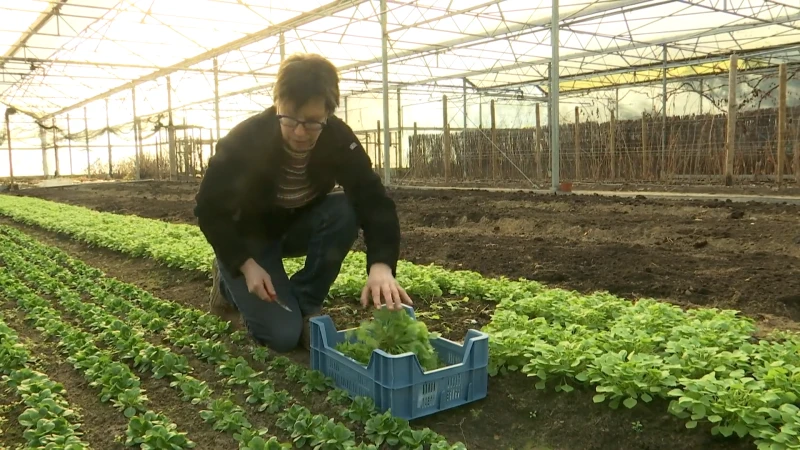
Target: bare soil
x,y
514,416
744,256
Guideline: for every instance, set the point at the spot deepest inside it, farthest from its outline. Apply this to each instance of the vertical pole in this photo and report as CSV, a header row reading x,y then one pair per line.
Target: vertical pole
x,y
108,140
493,135
55,148
10,156
645,152
702,86
414,149
445,139
781,123
664,114
399,131
43,139
378,145
539,167
173,156
577,145
69,145
345,109
385,76
464,136
281,44
480,110
796,158
136,135
612,147
555,146
88,152
216,102
730,149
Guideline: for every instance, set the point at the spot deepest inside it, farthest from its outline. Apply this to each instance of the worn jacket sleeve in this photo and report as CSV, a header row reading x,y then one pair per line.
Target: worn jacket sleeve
x,y
375,209
216,206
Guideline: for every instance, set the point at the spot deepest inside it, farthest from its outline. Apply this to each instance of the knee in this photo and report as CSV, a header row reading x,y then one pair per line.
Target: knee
x,y
282,338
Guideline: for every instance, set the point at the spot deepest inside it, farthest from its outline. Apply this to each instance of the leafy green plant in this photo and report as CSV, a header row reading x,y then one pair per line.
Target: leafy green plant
x,y
361,410
338,396
394,332
332,436
192,390
225,415
385,428
153,431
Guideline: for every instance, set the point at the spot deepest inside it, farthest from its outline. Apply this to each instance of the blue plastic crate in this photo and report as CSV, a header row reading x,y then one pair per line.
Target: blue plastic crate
x,y
398,381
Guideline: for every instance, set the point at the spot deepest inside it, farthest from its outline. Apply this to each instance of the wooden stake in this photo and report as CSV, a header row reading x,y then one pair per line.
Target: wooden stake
x,y
797,152
645,153
415,148
781,124
613,146
539,174
730,147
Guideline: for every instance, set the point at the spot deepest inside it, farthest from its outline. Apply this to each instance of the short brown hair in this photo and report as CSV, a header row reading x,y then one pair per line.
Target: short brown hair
x,y
304,76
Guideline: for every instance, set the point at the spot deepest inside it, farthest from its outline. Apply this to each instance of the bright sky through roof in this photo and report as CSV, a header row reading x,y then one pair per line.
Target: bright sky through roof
x,y
88,48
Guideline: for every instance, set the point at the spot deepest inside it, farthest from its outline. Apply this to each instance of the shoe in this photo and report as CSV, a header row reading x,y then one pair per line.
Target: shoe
x,y
219,305
305,337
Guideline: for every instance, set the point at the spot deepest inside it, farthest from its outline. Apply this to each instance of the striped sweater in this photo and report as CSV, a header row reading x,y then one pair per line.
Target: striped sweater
x,y
294,188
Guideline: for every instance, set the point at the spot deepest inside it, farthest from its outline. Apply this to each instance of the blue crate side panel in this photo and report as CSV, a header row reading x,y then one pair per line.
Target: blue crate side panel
x,y
397,382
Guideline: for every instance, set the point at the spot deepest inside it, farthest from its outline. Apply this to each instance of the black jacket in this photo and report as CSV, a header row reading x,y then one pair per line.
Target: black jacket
x,y
236,197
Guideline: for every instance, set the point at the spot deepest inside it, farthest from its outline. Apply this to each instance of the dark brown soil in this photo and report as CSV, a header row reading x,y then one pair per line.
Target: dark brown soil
x,y
103,426
11,407
744,256
513,416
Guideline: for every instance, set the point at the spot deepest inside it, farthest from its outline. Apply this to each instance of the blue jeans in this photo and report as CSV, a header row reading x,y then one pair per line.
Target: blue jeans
x,y
324,234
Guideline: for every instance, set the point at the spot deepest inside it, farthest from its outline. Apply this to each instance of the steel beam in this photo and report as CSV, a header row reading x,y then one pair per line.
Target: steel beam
x,y
40,22
782,18
492,35
303,19
722,57
468,41
586,54
107,65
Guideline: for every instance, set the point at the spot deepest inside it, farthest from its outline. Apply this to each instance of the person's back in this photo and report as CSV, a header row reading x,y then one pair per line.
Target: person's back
x,y
267,195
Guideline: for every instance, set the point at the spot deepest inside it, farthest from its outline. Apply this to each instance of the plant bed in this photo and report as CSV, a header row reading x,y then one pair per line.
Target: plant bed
x,y
398,382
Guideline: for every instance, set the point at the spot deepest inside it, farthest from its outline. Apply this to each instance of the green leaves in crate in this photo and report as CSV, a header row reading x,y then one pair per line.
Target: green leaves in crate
x,y
394,332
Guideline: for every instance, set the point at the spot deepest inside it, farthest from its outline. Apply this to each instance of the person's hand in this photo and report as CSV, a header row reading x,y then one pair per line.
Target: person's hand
x,y
258,281
381,283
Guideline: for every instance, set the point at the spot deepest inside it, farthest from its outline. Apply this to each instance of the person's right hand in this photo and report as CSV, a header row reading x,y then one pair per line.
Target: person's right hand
x,y
258,281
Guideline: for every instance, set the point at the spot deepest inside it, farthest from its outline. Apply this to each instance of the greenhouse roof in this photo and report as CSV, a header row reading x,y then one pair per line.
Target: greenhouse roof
x,y
58,56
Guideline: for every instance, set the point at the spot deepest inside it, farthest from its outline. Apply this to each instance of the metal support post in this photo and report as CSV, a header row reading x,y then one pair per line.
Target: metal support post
x,y
385,75
555,149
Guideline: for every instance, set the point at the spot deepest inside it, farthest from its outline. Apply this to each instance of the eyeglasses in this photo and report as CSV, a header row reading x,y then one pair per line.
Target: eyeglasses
x,y
310,125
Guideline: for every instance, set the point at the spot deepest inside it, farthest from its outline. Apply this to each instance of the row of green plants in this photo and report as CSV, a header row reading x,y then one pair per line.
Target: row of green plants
x,y
705,362
130,344
200,332
49,422
116,383
184,246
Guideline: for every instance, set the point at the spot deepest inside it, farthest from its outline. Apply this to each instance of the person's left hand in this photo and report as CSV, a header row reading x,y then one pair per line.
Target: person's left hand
x,y
381,283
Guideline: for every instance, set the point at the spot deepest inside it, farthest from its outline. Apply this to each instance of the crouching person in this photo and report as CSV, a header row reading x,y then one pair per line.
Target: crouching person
x,y
268,194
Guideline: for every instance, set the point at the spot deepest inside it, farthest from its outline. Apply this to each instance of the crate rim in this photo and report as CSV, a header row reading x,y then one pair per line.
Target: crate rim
x,y
481,335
